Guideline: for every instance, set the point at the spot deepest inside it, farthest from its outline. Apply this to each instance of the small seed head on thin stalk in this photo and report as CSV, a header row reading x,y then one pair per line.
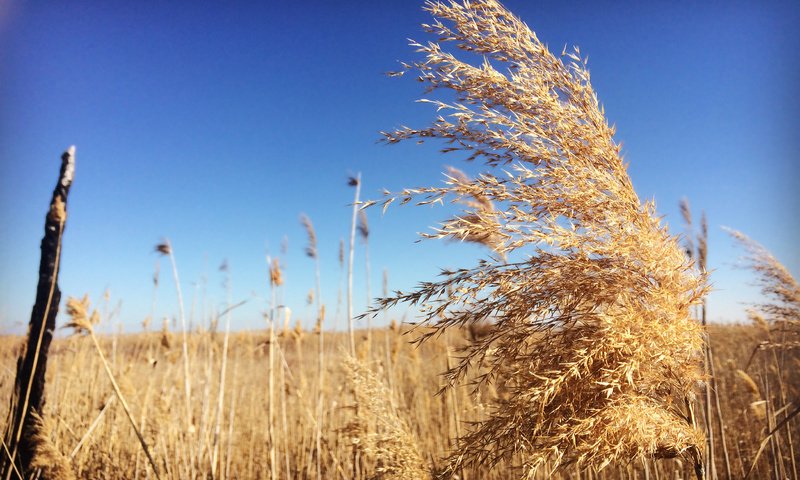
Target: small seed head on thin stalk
x,y
275,273
311,248
363,225
80,319
164,248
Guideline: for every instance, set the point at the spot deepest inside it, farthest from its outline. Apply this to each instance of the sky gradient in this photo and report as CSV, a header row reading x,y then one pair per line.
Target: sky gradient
x,y
216,126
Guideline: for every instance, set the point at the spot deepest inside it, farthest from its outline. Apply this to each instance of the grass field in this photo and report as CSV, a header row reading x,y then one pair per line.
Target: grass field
x,y
88,425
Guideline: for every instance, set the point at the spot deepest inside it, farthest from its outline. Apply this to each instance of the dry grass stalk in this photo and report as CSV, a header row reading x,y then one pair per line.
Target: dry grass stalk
x,y
710,389
275,281
353,182
151,380
82,322
379,432
363,232
165,248
311,251
592,317
339,284
779,316
222,377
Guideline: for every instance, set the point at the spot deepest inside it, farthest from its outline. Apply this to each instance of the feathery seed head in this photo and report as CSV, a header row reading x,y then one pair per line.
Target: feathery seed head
x,y
311,249
592,312
363,225
80,318
275,273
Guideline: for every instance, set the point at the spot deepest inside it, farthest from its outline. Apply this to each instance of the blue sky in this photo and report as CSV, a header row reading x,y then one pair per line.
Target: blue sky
x,y
216,125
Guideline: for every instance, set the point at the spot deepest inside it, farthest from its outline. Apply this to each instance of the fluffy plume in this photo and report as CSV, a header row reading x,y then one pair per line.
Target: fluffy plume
x,y
781,311
275,273
80,319
363,225
311,249
46,459
592,316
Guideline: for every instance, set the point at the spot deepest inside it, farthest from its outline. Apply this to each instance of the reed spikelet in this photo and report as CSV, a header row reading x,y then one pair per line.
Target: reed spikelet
x,y
592,307
78,310
781,310
468,227
82,323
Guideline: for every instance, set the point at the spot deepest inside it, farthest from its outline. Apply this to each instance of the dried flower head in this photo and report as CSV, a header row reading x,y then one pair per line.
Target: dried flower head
x,y
164,248
781,310
320,320
298,333
589,294
310,296
311,249
275,273
80,319
363,225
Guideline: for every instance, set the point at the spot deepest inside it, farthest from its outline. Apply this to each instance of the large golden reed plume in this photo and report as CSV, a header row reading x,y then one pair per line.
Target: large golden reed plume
x,y
593,350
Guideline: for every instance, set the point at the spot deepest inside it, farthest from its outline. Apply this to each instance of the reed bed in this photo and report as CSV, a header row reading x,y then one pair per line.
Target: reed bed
x,y
576,348
91,429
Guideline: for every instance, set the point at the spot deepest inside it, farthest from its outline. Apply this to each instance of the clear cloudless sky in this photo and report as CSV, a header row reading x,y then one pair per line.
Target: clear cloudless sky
x,y
216,124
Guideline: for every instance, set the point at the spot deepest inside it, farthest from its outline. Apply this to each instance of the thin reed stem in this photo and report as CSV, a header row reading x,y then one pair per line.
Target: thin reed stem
x,y
222,375
186,376
123,402
356,182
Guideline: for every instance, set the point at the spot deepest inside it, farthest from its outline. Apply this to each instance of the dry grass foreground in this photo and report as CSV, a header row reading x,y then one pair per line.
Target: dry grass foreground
x,y
396,423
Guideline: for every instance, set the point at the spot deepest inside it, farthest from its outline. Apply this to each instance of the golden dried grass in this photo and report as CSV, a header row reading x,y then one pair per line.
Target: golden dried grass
x,y
593,314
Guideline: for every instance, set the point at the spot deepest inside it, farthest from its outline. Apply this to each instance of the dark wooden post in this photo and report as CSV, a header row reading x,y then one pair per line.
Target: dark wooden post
x,y
28,395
